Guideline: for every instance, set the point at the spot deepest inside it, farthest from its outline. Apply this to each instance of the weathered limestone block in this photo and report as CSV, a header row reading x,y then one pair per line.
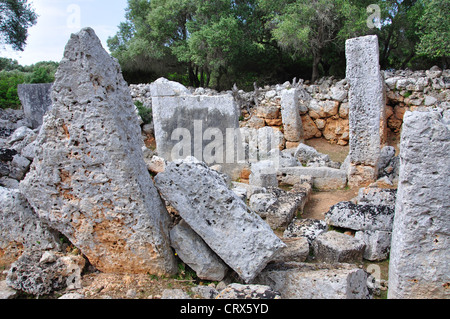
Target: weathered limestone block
x,y
277,207
238,291
316,281
89,179
35,99
378,244
193,251
308,228
264,174
35,275
202,126
367,107
360,217
297,250
324,178
20,228
334,247
239,236
419,259
290,112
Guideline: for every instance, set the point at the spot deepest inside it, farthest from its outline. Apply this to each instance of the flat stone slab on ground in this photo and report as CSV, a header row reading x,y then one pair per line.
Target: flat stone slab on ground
x,y
316,281
334,247
360,217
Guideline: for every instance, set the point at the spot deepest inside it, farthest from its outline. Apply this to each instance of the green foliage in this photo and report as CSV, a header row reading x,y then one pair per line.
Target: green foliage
x,y
8,88
16,16
434,29
144,112
13,74
222,42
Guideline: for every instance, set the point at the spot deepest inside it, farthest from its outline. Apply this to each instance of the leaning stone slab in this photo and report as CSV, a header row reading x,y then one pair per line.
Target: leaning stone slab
x,y
89,179
420,258
193,251
333,247
316,281
20,228
360,217
35,99
239,236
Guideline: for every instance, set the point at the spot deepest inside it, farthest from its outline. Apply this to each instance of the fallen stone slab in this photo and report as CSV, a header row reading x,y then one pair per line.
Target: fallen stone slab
x,y
316,281
333,247
193,251
89,179
278,207
378,244
297,250
377,197
238,291
308,228
360,217
236,234
324,178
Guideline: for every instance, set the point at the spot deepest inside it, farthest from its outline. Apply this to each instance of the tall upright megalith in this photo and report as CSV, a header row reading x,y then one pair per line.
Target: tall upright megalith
x,y
367,108
290,111
420,254
89,179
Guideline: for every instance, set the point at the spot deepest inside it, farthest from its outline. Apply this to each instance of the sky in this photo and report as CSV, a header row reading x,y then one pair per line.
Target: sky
x,y
60,18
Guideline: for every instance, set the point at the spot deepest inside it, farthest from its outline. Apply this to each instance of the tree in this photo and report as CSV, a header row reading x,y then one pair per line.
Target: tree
x,y
434,30
308,27
16,16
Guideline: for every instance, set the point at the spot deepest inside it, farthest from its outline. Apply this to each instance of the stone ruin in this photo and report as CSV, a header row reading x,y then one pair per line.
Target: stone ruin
x,y
224,195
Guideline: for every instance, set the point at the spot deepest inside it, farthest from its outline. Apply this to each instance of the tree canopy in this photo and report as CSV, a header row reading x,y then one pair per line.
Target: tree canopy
x,y
16,16
221,42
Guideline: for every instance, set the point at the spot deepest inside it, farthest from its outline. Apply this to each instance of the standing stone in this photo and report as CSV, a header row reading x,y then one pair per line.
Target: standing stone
x,y
290,112
89,179
420,258
205,127
367,108
239,236
35,99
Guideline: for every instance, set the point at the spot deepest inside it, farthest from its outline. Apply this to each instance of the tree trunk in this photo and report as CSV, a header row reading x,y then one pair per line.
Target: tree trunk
x,y
317,57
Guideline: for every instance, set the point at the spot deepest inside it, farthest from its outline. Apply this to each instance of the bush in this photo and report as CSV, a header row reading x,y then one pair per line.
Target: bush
x,y
8,88
144,112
